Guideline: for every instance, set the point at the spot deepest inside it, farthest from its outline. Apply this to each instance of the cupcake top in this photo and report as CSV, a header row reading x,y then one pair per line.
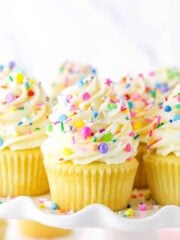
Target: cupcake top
x,y
68,74
164,80
90,123
23,112
164,137
143,103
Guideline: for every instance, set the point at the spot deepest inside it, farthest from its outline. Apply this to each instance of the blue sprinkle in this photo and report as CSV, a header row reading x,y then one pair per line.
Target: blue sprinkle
x,y
167,108
176,117
62,118
94,71
27,85
80,83
53,206
158,85
95,114
130,104
20,123
1,67
170,120
1,142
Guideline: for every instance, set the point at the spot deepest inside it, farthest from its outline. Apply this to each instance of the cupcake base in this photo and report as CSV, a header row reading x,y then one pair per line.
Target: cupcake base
x,y
37,230
3,227
22,173
163,175
140,181
75,186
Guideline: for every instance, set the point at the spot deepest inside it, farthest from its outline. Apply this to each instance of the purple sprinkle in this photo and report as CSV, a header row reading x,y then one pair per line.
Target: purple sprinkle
x,y
103,148
101,130
10,98
12,64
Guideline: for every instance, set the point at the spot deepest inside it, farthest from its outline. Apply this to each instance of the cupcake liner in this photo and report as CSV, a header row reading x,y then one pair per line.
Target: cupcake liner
x,y
75,186
22,173
140,181
163,175
37,230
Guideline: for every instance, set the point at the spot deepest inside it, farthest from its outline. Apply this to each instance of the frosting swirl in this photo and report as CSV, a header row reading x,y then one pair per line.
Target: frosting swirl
x,y
90,123
23,112
164,137
68,74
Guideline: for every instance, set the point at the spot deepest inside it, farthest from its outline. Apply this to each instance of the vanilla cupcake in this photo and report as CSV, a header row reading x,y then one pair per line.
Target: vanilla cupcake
x,y
163,160
89,155
37,230
143,103
23,117
68,74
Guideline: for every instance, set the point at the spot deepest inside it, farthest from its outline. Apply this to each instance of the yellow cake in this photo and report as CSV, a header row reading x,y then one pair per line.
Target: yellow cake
x,y
163,160
23,117
89,154
37,230
3,226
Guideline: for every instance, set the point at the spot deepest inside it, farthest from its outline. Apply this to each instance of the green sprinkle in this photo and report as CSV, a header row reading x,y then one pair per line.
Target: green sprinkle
x,y
114,140
112,106
94,139
107,137
10,78
136,136
177,106
171,74
37,129
153,93
127,117
159,125
49,127
61,69
62,126
20,108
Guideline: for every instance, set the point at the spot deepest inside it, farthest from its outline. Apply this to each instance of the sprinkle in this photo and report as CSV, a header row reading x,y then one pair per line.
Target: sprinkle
x,y
1,67
167,108
94,139
94,71
79,124
32,81
128,147
159,125
114,140
101,130
129,212
154,142
108,82
37,129
12,64
153,93
20,108
107,137
131,134
137,125
80,83
86,132
86,96
142,207
30,93
27,85
50,205
112,106
136,136
130,104
103,148
62,118
176,117
62,126
1,142
19,78
49,127
177,106
11,78
10,98
67,151
95,114
19,123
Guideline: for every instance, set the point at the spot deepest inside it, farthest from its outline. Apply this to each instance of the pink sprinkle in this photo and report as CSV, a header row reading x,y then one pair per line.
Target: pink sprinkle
x,y
86,96
152,74
86,132
128,147
141,75
133,114
68,98
131,134
10,97
150,133
101,130
158,119
73,139
108,82
135,96
142,207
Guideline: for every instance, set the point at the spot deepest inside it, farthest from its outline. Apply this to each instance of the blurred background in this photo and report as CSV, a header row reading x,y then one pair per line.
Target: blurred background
x,y
116,36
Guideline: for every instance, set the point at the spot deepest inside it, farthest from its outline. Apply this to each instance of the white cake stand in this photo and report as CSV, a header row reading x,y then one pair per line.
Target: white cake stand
x,y
99,221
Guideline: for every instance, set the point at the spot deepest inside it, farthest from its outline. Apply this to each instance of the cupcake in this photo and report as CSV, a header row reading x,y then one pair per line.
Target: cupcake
x,y
68,74
162,162
3,227
37,230
143,105
89,154
23,117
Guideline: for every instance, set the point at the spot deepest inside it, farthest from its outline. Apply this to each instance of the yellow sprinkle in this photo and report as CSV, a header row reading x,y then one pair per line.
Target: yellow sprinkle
x,y
41,205
67,151
12,109
137,125
78,124
129,212
19,78
32,81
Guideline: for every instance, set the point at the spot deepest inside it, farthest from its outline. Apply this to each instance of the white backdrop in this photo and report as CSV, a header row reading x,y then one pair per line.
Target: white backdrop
x,y
117,36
